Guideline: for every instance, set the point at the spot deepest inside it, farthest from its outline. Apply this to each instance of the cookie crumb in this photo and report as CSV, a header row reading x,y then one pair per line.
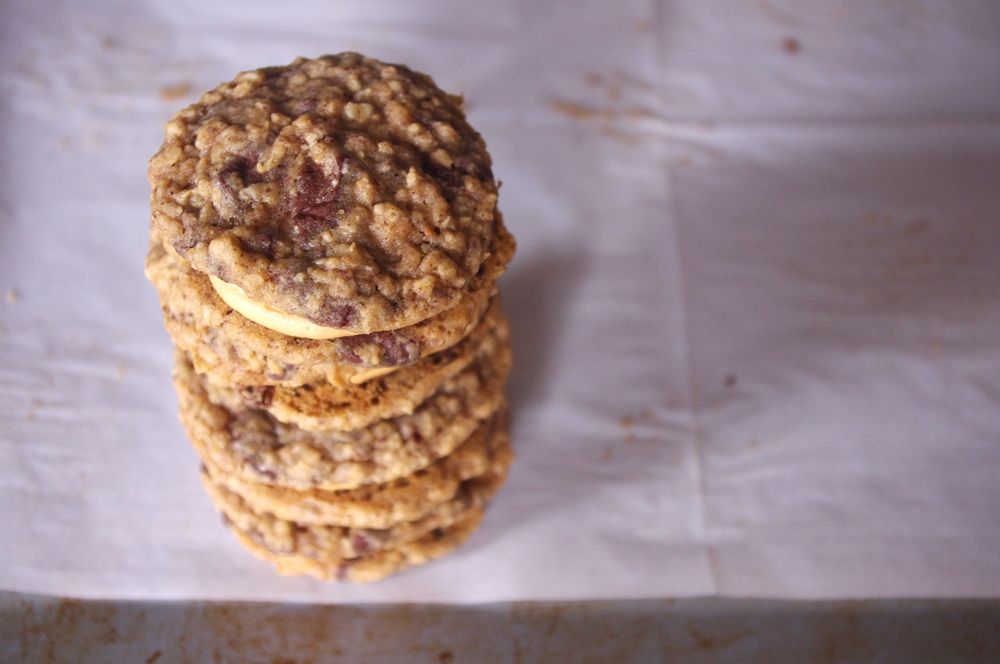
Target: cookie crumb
x,y
13,296
574,110
121,370
791,45
628,424
731,380
176,91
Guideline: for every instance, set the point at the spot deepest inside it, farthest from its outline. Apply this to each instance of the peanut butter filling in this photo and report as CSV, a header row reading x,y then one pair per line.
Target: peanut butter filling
x,y
269,317
293,326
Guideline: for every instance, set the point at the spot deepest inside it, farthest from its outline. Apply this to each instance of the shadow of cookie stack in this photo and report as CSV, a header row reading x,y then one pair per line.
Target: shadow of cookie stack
x,y
325,243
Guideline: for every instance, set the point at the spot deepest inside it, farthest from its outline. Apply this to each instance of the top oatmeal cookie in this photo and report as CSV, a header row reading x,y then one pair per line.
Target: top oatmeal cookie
x,y
341,189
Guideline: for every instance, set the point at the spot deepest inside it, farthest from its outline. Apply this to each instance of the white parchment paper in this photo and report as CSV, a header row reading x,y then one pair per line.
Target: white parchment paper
x,y
755,303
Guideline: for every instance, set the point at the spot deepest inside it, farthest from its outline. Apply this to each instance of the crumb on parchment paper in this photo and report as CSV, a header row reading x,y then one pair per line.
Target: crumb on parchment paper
x,y
624,103
175,91
579,111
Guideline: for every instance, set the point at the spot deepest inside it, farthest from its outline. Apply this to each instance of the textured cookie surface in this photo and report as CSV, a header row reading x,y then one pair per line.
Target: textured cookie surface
x,y
380,505
333,543
250,444
328,407
233,349
372,566
344,190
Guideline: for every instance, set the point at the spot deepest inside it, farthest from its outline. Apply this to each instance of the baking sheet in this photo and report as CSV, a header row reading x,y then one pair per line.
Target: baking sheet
x,y
41,629
754,303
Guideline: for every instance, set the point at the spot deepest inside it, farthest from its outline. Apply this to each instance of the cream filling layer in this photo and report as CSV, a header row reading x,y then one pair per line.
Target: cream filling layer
x,y
293,326
366,376
269,317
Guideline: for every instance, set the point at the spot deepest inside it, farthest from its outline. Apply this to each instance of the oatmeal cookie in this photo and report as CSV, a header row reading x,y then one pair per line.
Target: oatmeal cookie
x,y
372,566
234,349
251,445
380,506
334,543
328,407
341,189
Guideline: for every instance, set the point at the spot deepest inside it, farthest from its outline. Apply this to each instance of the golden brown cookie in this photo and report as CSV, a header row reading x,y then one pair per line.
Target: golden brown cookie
x,y
380,506
373,566
250,444
233,349
327,407
334,543
343,190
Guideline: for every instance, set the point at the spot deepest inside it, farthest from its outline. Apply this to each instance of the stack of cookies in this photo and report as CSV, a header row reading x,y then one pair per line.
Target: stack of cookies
x,y
325,243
